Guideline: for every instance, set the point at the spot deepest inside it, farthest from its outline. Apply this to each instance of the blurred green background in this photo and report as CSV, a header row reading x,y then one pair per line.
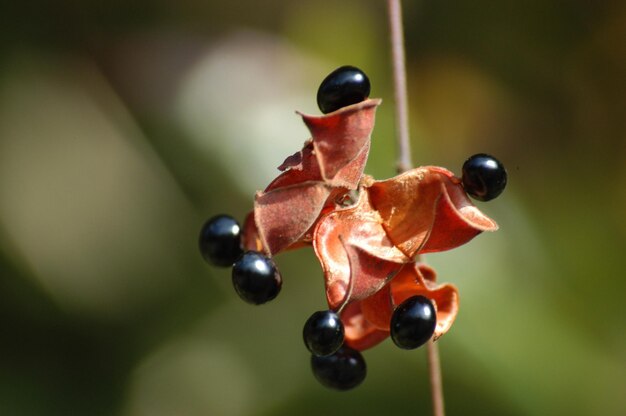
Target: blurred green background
x,y
124,125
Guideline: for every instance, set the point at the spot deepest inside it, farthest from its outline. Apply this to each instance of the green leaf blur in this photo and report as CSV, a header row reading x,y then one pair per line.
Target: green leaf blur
x,y
124,125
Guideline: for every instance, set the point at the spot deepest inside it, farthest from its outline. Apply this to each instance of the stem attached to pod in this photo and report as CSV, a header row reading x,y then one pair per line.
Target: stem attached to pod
x,y
404,163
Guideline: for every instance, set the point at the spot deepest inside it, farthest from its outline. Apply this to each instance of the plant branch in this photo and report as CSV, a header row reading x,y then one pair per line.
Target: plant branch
x,y
399,80
404,163
436,385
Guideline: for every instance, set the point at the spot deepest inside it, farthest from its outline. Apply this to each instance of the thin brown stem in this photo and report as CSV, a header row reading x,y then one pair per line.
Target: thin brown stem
x,y
399,80
404,163
436,386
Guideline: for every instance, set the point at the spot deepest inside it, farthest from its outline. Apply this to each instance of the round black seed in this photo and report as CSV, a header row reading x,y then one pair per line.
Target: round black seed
x,y
344,86
342,370
256,278
220,240
484,177
323,333
413,322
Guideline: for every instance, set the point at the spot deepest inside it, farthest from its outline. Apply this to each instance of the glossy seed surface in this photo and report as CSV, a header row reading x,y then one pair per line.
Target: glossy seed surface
x,y
484,177
256,278
220,241
323,333
413,322
343,370
344,86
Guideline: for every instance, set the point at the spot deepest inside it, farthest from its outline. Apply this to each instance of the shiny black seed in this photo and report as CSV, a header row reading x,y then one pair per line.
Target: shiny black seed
x,y
344,86
484,177
256,278
323,333
413,322
342,370
220,241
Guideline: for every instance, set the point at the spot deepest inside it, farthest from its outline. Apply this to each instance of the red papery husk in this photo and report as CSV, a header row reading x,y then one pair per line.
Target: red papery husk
x,y
366,322
329,165
367,249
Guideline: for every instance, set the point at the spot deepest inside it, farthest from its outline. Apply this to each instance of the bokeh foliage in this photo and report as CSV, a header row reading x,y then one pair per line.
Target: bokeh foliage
x,y
124,125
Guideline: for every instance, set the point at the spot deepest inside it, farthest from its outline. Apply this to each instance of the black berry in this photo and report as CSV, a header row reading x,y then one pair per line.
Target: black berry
x,y
413,322
323,333
342,370
484,177
256,278
344,86
220,240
